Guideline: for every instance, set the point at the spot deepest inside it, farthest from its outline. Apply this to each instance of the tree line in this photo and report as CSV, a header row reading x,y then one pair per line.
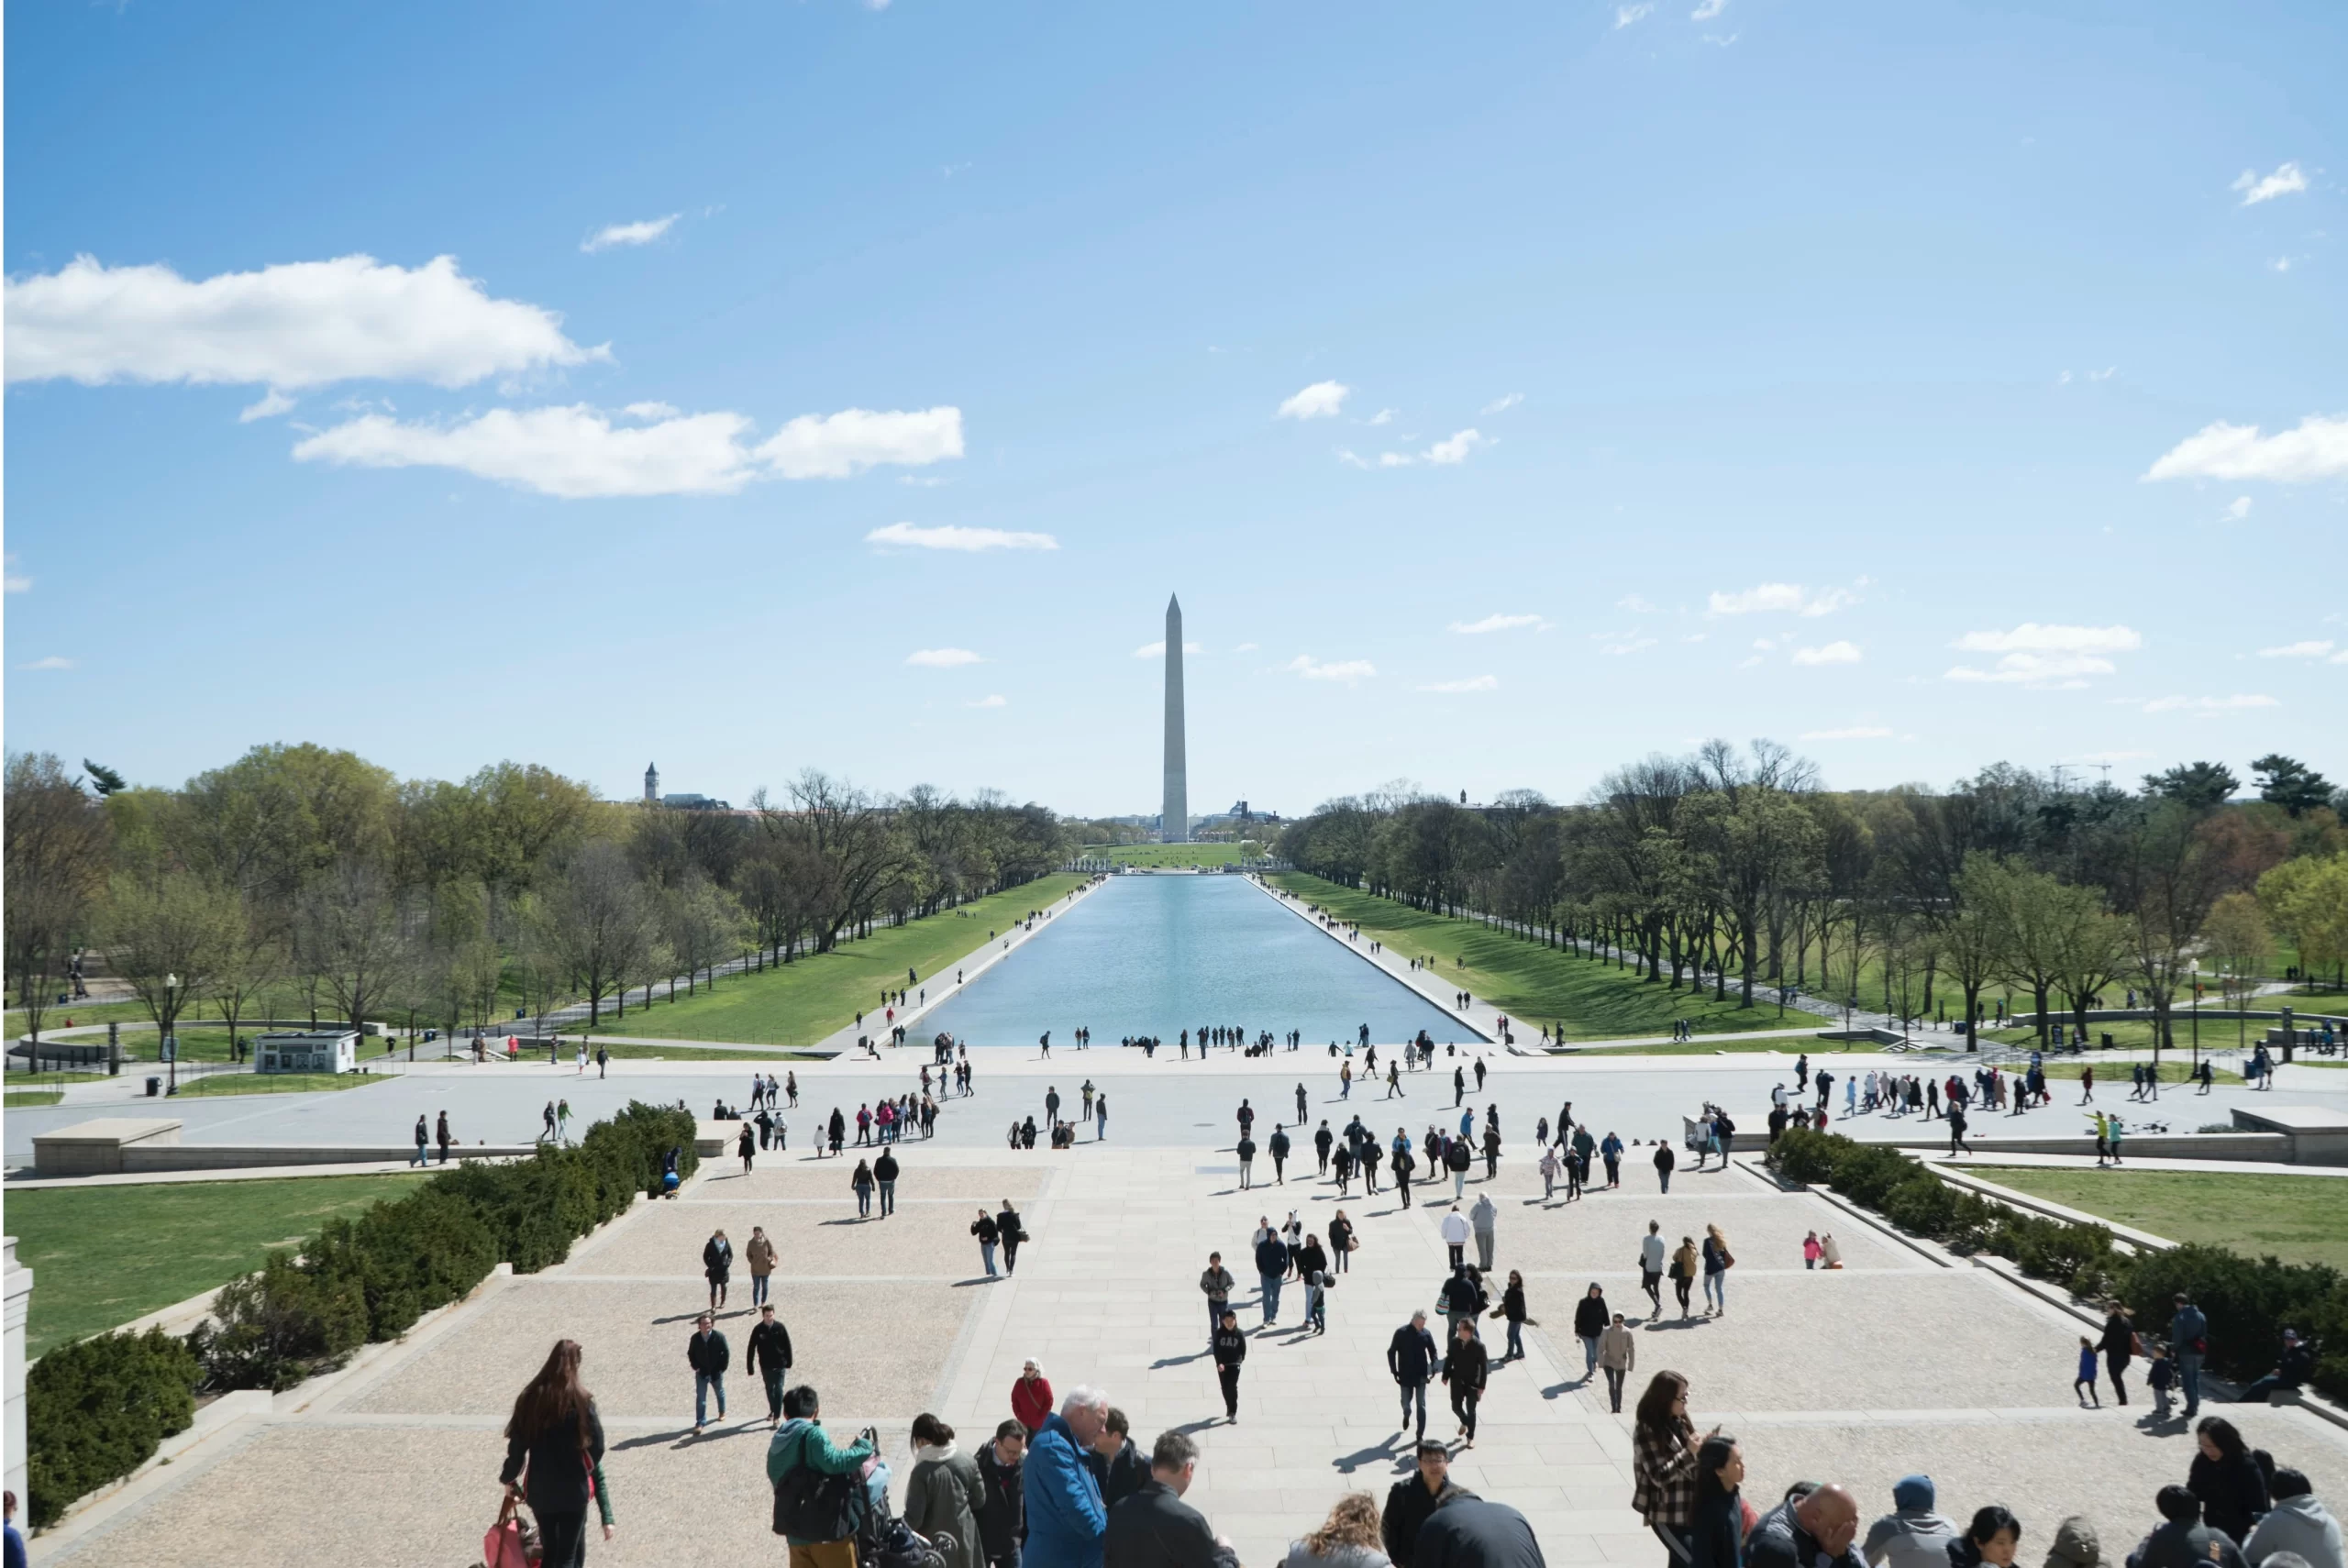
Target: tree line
x,y
1741,864
305,871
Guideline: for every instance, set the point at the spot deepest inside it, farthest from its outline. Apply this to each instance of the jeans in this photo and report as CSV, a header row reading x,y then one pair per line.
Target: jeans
x,y
1664,1177
704,1385
773,1377
562,1538
864,1201
1716,1291
2256,1394
1337,1260
1417,1391
419,1155
1313,1314
1459,1257
1588,1356
1615,1389
986,1251
2188,1378
1516,1339
1229,1377
1459,1184
888,1198
1215,1310
759,1283
1010,1257
1271,1295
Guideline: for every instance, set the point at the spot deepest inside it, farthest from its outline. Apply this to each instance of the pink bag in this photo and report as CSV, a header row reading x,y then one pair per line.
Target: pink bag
x,y
502,1547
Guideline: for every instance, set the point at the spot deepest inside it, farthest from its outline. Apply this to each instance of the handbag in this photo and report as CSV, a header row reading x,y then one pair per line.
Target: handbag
x,y
509,1539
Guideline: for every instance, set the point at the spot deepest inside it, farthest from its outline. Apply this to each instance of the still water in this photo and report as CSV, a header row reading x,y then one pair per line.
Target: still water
x,y
1159,954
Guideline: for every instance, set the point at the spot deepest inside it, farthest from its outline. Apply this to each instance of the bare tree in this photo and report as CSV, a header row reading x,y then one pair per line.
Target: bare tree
x,y
598,925
703,923
349,942
57,844
168,933
251,960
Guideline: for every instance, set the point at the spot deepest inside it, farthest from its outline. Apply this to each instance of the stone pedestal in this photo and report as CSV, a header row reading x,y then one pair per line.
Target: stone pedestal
x,y
95,1148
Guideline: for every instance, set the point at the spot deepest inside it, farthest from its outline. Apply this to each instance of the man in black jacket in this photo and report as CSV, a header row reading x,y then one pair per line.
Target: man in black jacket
x,y
1464,1369
770,1359
1230,1349
1320,1143
884,1171
1815,1530
1473,1533
1278,1147
1003,1523
1411,1357
1664,1160
1271,1267
708,1355
1116,1461
1154,1528
1413,1500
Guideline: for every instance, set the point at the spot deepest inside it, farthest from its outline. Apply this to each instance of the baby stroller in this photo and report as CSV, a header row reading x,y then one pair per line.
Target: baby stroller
x,y
883,1539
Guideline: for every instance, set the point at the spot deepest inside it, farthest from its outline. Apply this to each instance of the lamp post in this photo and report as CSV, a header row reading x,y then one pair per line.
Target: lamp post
x,y
170,1040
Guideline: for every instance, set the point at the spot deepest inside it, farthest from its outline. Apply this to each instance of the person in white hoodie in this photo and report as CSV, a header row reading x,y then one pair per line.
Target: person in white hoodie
x,y
1913,1535
1454,1235
2297,1523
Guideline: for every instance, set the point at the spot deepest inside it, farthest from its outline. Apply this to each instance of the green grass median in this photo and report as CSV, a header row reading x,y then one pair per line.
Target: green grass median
x,y
2296,1218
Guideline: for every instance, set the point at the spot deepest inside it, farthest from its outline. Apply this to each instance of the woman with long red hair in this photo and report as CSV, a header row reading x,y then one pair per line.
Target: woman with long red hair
x,y
554,1454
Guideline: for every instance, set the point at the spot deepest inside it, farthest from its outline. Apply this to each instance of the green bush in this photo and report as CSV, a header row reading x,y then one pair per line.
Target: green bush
x,y
96,1409
2248,1301
270,1330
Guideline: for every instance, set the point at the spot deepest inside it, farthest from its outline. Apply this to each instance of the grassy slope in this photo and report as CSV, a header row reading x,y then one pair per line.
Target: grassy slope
x,y
1155,854
104,1255
2295,1218
1532,983
801,1002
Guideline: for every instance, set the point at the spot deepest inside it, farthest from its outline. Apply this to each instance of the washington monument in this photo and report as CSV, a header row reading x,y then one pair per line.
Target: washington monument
x,y
1174,826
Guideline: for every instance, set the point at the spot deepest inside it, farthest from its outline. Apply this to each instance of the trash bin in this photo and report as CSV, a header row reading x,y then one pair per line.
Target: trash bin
x,y
154,1088
2107,1039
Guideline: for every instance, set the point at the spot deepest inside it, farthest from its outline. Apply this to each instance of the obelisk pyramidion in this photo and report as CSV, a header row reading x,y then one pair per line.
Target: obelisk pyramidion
x,y
1174,825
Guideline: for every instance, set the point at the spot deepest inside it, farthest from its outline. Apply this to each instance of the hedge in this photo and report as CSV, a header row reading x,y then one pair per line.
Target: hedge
x,y
96,1409
2249,1301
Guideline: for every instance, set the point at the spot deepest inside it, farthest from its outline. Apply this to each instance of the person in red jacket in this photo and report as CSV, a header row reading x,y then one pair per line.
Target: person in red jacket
x,y
1031,1398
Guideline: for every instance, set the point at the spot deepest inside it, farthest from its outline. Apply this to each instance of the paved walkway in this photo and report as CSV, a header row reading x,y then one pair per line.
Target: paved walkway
x,y
1899,1362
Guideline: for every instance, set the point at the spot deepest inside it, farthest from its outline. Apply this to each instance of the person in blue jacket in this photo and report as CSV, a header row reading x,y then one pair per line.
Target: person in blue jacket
x,y
1065,1519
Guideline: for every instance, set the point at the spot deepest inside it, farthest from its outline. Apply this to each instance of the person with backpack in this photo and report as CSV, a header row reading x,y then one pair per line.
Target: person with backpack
x,y
944,1494
1278,1146
554,1457
770,1359
817,1503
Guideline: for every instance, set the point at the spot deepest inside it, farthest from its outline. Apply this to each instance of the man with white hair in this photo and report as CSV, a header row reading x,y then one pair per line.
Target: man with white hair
x,y
1065,1519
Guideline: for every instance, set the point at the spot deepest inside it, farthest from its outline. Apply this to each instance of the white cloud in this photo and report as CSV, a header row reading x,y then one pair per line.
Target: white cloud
x,y
1766,644
2061,672
271,404
298,324
1245,647
1346,671
1493,622
1635,604
1766,596
651,411
2207,704
1856,731
1322,400
1707,9
2298,650
953,537
837,446
12,580
2032,637
1502,404
2316,450
52,662
1625,15
941,658
2288,178
1627,646
1473,683
1157,649
1455,449
2238,509
991,699
1748,662
643,232
1693,637
1383,416
576,452
1829,653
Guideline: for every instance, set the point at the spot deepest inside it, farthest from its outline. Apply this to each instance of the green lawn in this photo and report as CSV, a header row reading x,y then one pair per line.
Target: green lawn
x,y
1163,855
801,1002
2138,1036
695,1053
19,1099
2295,1218
104,1255
217,1084
1537,985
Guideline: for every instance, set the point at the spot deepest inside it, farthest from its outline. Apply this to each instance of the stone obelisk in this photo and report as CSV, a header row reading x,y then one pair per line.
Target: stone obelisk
x,y
1174,825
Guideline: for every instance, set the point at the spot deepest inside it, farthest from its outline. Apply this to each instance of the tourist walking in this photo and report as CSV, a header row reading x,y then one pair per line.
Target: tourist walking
x,y
747,1146
1246,1153
2188,1338
441,1134
808,1516
1414,1500
1411,1360
1066,1518
1278,1146
1003,1523
1618,1353
717,1267
983,1228
1664,1160
1271,1267
1718,1261
1013,1234
1465,1369
1482,1219
884,1176
1663,1463
944,1494
1230,1349
554,1458
1684,1267
1216,1281
760,1255
1455,1231
1512,1308
770,1357
708,1355
1031,1396
1590,1320
2120,1345
1651,1248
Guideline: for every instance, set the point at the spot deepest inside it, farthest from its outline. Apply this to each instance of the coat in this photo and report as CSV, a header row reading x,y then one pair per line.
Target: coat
x,y
2232,1493
1003,1523
2298,1524
1155,1528
945,1494
1467,1366
717,1260
556,1478
1410,1355
1031,1401
770,1348
1618,1348
709,1353
760,1254
1066,1520
1473,1533
1777,1541
1408,1505
804,1442
1591,1316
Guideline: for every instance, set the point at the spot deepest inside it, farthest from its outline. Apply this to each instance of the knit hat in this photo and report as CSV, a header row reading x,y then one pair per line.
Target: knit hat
x,y
1914,1492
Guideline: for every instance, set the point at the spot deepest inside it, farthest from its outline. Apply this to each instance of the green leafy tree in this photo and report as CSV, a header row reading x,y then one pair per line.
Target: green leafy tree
x,y
2287,782
2197,786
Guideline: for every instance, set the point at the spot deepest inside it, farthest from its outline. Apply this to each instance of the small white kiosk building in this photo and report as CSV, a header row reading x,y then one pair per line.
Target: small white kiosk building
x,y
307,1051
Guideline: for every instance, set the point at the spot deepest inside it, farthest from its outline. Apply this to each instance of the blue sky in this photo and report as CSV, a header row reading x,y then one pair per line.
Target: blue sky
x,y
1920,385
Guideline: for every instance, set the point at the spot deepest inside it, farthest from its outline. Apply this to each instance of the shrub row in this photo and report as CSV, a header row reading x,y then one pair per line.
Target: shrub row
x,y
97,1408
2249,1301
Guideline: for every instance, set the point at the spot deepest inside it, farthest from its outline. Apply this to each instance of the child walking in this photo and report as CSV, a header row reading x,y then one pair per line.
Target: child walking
x,y
2084,1384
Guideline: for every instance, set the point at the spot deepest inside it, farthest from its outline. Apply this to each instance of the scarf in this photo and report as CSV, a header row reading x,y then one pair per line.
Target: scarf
x,y
926,1452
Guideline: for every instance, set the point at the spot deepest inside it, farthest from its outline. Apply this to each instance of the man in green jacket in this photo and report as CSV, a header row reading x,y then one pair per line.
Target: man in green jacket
x,y
802,1441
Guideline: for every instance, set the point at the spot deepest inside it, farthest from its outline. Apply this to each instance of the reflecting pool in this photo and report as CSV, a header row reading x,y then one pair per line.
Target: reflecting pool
x,y
1153,955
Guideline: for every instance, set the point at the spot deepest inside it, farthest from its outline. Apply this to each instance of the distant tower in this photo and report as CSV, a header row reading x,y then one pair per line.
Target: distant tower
x,y
651,785
1174,825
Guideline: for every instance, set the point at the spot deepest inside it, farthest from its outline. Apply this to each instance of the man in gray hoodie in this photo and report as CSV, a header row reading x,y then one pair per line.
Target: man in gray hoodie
x,y
2297,1523
1913,1535
1485,1219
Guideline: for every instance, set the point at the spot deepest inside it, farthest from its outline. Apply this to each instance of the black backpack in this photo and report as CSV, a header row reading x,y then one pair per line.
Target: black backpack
x,y
813,1505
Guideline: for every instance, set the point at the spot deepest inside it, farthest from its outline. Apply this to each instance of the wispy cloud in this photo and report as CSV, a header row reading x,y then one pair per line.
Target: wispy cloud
x,y
1636,603
1345,670
2316,450
13,581
1501,404
950,537
1455,449
2298,650
1707,9
53,661
1383,416
2048,657
1626,15
2208,704
1493,622
1854,732
2032,636
1828,653
273,403
643,232
1779,598
2287,179
991,699
2238,509
1157,649
1473,683
1322,400
941,658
